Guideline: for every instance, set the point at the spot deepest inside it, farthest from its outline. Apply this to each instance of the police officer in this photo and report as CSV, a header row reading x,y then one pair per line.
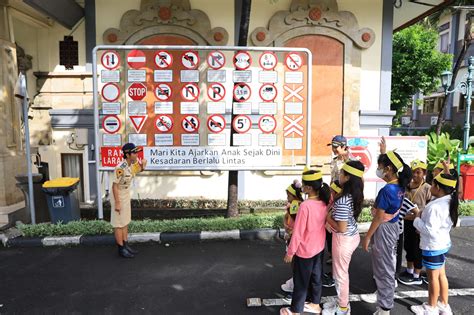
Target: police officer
x,y
120,214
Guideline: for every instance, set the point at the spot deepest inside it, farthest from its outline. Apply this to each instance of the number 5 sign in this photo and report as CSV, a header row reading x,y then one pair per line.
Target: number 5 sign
x,y
242,123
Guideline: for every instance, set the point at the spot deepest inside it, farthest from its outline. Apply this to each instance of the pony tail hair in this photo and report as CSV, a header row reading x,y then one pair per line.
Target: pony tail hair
x,y
453,207
404,177
325,193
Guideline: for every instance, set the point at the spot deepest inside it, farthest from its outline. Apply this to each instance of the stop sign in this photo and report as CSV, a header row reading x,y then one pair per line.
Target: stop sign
x,y
137,91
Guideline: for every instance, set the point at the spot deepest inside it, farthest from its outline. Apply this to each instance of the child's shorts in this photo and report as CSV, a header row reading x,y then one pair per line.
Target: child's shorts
x,y
434,259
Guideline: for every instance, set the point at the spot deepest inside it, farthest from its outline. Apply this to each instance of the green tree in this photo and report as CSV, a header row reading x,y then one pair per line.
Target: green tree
x,y
417,65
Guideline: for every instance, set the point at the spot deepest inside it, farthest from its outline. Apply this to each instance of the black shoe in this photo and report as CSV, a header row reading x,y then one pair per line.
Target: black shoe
x,y
123,252
410,280
131,250
424,278
328,281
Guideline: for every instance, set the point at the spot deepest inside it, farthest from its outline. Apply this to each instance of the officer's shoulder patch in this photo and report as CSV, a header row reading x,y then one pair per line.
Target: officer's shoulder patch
x,y
123,164
119,172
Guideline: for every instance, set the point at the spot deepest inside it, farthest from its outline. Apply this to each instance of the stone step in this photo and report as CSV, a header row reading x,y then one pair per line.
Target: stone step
x,y
3,225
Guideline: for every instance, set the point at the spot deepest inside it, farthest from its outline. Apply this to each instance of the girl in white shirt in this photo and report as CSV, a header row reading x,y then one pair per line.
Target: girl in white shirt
x,y
434,225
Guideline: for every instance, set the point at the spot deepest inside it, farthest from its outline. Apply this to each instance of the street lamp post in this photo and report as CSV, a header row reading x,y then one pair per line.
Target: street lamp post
x,y
465,88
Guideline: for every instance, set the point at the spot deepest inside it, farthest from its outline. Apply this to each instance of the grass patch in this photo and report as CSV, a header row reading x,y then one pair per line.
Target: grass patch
x,y
265,218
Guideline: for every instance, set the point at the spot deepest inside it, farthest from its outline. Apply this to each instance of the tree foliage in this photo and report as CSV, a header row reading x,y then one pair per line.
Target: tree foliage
x,y
417,64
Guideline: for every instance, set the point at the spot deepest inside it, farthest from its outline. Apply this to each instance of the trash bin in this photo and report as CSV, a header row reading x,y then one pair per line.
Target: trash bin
x,y
41,205
467,173
63,203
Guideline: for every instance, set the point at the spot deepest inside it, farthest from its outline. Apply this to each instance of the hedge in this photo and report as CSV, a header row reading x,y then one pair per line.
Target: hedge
x,y
263,220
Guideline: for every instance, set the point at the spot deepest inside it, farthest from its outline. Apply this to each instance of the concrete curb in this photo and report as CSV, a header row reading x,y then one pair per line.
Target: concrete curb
x,y
165,237
95,240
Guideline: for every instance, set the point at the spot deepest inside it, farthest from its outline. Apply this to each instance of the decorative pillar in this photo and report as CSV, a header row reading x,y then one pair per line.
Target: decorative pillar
x,y
12,157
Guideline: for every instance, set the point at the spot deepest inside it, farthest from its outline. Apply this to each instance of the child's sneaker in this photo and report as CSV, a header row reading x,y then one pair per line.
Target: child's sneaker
x,y
410,280
288,286
334,309
328,281
370,298
424,309
444,309
380,311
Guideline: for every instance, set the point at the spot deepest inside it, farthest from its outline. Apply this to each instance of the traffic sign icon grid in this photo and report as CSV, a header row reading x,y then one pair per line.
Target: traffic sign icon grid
x,y
216,59
163,59
190,59
216,123
190,124
242,123
163,92
216,91
190,92
164,123
111,124
110,60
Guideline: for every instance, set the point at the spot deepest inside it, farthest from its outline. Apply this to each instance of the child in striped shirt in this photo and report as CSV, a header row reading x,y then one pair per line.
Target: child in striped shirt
x,y
345,240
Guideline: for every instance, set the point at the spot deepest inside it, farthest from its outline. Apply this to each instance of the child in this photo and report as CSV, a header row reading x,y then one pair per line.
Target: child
x,y
384,229
343,222
294,198
307,245
418,192
434,225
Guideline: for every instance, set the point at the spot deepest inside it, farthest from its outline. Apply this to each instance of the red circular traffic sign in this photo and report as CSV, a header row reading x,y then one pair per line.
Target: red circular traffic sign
x,y
136,59
242,92
163,91
242,123
216,92
242,60
110,59
163,59
216,59
267,124
110,92
268,60
111,124
190,92
137,91
190,124
216,123
268,92
293,61
190,59
163,123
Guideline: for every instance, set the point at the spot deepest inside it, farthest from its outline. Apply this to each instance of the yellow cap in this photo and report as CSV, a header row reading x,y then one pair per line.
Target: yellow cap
x,y
440,165
395,160
418,164
446,181
352,170
312,177
336,188
291,190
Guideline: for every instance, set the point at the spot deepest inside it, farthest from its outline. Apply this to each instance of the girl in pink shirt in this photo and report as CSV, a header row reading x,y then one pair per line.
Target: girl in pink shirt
x,y
307,245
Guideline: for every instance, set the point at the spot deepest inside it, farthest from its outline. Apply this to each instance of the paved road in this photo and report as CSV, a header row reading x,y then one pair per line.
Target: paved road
x,y
191,278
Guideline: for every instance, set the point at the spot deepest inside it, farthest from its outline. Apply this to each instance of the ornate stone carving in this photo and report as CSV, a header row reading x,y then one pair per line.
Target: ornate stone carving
x,y
176,13
24,61
318,13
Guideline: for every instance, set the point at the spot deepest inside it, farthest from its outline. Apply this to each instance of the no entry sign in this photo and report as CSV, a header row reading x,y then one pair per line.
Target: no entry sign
x,y
216,92
137,91
136,59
